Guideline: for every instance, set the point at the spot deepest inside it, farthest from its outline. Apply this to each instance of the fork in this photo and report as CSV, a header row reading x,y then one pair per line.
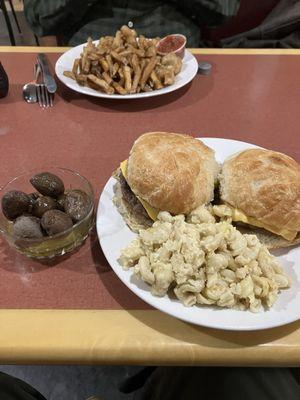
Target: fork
x,y
44,98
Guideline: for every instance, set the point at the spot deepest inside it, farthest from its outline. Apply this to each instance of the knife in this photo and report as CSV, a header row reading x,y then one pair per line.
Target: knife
x,y
48,78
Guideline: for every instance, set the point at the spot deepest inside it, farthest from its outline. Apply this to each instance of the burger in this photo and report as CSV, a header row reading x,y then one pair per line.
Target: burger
x,y
164,172
262,189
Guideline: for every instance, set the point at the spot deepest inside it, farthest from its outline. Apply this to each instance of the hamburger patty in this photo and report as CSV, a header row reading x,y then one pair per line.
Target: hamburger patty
x,y
131,198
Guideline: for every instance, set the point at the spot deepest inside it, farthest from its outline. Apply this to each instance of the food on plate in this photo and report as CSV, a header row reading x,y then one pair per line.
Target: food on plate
x,y
206,250
260,189
49,211
124,64
205,262
164,172
172,44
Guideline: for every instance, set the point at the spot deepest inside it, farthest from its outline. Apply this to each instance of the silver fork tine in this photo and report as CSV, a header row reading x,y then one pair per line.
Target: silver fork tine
x,y
43,96
39,95
44,104
38,85
51,99
47,97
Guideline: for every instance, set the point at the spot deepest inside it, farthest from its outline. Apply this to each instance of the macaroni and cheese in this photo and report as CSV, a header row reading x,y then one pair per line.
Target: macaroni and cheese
x,y
205,262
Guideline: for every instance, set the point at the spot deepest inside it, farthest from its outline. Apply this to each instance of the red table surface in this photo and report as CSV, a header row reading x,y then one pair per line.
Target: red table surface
x,y
253,98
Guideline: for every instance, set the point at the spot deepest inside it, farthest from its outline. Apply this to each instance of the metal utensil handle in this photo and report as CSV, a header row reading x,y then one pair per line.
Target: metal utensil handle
x,y
36,71
48,78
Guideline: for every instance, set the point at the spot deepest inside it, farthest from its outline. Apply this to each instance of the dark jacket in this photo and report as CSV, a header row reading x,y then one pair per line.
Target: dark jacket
x,y
75,20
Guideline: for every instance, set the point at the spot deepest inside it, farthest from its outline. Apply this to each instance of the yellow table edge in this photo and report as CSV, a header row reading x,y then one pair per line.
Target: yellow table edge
x,y
144,337
140,336
205,51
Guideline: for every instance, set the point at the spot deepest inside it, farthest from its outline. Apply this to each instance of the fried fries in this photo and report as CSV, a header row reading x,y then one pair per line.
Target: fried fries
x,y
127,77
69,74
124,64
75,66
147,71
156,82
101,83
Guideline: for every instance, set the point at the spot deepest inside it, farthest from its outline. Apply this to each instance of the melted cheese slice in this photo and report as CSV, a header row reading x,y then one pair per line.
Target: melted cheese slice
x,y
238,215
151,211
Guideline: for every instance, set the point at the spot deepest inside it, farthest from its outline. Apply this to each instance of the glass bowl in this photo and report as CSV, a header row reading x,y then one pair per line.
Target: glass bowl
x,y
61,243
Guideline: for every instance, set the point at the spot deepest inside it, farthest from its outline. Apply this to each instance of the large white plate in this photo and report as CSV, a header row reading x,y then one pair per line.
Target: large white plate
x,y
65,63
115,235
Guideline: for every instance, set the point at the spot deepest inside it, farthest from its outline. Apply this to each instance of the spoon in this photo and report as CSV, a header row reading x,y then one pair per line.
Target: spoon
x,y
29,89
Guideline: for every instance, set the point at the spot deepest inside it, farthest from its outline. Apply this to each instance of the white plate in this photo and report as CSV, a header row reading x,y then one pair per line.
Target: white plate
x,y
65,63
114,235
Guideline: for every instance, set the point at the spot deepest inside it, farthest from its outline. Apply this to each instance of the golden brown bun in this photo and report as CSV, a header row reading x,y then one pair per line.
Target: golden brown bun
x,y
172,172
265,185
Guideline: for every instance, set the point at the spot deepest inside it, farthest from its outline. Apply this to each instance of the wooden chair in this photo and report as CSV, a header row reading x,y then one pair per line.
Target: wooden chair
x,y
7,21
250,14
3,8
14,15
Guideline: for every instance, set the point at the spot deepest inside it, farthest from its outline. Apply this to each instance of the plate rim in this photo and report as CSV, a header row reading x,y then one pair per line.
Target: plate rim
x,y
143,95
136,290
